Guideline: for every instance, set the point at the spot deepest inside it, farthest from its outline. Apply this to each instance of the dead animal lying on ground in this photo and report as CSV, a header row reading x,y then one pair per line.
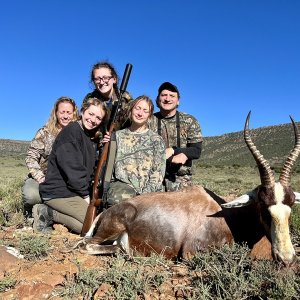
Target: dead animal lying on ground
x,y
178,224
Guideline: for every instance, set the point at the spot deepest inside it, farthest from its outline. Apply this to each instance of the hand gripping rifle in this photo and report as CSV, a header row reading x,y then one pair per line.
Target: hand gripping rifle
x,y
101,166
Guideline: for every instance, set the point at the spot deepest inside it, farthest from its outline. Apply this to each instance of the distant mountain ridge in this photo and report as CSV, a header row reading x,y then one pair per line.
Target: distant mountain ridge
x,y
13,147
274,142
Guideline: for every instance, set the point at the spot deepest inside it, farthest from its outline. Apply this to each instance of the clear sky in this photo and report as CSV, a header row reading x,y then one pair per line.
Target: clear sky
x,y
226,57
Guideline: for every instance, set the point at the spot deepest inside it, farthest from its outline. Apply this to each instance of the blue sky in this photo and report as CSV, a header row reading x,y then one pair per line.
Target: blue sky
x,y
226,57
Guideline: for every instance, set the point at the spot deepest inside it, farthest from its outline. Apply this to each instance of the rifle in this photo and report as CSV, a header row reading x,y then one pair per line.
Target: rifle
x,y
101,166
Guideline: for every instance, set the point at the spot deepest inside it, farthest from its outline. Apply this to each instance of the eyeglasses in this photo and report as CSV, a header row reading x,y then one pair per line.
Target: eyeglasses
x,y
105,79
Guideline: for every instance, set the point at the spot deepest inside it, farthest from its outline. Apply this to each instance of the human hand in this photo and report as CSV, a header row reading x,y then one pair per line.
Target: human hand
x,y
41,180
169,152
106,138
180,158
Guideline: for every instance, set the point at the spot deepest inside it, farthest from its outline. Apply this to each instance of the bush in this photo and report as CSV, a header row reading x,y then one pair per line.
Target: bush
x,y
7,282
11,207
34,246
229,273
123,279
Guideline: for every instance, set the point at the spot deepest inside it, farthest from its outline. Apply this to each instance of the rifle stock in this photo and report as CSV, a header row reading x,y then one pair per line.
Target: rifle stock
x,y
99,173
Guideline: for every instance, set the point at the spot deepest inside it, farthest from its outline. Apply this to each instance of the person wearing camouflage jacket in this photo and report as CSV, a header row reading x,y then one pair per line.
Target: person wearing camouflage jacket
x,y
140,158
181,133
103,77
64,111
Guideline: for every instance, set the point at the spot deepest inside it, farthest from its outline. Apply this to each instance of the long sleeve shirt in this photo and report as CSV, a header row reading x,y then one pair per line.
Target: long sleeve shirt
x,y
38,152
140,160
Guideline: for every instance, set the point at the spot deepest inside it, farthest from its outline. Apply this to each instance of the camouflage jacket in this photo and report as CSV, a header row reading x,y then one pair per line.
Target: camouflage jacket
x,y
140,160
190,133
122,114
38,153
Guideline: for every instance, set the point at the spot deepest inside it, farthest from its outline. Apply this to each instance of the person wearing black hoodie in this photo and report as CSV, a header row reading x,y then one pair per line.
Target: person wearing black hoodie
x,y
66,189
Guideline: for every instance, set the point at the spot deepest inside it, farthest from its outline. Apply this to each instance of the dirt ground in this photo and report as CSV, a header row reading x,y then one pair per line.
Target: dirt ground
x,y
38,278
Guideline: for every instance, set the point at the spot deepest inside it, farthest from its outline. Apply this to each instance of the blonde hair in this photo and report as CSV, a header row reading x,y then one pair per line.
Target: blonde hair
x,y
52,124
94,101
133,103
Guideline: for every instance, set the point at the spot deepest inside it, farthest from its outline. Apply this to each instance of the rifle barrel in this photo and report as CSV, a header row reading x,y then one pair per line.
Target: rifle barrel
x,y
96,200
125,78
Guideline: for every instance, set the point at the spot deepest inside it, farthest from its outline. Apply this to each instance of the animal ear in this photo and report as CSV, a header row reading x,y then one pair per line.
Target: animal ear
x,y
241,201
297,199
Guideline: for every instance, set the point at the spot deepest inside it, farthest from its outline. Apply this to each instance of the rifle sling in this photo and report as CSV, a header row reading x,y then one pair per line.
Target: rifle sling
x,y
177,129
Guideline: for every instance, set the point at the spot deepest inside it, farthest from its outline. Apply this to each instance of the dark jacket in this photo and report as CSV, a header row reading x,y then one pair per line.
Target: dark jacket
x,y
71,164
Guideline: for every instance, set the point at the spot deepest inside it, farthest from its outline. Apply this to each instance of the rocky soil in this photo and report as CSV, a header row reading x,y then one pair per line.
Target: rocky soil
x,y
38,279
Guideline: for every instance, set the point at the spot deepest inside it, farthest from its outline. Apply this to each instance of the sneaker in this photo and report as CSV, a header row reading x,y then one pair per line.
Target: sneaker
x,y
43,218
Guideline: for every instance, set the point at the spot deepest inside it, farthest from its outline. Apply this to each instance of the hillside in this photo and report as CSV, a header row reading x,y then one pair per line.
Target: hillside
x,y
13,147
274,142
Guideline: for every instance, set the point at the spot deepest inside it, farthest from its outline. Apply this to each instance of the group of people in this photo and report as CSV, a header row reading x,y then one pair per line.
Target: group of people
x,y
154,151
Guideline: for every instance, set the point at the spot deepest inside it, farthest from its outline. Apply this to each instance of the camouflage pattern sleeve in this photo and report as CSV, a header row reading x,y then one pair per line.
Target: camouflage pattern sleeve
x,y
38,153
123,112
194,134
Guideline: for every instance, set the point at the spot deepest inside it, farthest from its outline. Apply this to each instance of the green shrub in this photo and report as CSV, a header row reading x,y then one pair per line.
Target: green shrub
x,y
84,283
34,246
127,279
229,273
11,205
7,282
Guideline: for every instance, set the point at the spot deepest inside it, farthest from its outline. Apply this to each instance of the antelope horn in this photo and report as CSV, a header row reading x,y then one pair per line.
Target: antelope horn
x,y
285,175
266,174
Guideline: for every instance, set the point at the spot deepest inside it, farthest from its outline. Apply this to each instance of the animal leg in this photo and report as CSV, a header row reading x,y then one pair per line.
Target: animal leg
x,y
89,234
121,244
95,249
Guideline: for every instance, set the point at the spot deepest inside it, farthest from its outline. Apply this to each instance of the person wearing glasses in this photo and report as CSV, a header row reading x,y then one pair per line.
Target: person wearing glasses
x,y
182,135
63,112
103,76
67,186
140,161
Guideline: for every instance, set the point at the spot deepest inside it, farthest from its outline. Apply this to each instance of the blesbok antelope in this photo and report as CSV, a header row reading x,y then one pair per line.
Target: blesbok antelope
x,y
177,224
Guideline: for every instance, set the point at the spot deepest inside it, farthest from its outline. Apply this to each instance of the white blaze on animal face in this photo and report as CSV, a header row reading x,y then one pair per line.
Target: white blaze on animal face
x,y
280,213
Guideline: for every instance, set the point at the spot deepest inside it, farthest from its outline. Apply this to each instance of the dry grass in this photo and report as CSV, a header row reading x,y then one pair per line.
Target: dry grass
x,y
225,273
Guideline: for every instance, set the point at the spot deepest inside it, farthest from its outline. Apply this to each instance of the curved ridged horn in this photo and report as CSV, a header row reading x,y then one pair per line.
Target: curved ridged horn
x,y
285,175
266,174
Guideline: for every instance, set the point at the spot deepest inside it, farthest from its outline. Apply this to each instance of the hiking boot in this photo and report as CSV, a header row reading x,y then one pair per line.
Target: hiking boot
x,y
43,218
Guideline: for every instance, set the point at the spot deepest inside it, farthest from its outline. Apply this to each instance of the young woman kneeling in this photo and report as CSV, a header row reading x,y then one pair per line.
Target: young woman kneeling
x,y
66,189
